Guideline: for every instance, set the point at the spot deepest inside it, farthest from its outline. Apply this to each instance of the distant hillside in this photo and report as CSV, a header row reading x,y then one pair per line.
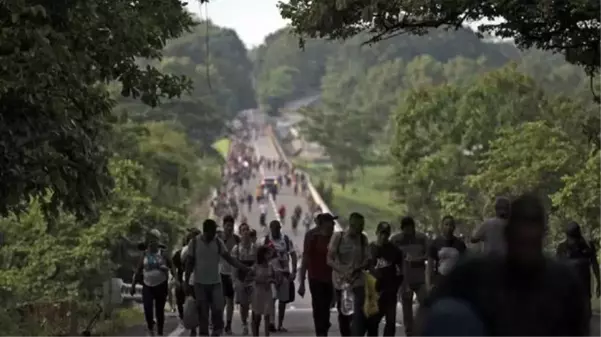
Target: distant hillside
x,y
284,72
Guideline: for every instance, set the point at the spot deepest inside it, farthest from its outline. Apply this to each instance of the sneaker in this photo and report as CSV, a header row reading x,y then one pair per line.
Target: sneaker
x,y
150,332
245,330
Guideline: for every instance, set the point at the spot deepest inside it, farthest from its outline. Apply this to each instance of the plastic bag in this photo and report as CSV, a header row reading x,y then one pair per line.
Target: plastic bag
x,y
190,319
370,307
347,300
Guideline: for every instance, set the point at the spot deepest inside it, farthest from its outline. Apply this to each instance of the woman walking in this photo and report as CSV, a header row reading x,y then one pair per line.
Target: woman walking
x,y
153,272
262,297
246,253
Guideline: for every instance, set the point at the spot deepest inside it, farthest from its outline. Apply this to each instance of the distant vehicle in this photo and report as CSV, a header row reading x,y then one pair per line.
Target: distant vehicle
x,y
270,184
270,181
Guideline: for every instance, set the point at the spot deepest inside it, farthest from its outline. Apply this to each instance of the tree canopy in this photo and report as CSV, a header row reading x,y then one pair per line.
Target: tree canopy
x,y
458,121
108,113
216,62
56,60
569,27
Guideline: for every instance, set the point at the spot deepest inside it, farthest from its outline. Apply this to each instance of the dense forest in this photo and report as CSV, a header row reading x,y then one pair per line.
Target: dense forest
x,y
92,159
443,123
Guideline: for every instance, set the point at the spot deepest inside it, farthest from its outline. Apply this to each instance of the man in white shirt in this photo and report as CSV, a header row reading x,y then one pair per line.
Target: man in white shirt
x,y
203,258
492,232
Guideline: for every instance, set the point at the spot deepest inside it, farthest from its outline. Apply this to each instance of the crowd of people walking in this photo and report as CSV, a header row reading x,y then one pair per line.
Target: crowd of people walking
x,y
508,287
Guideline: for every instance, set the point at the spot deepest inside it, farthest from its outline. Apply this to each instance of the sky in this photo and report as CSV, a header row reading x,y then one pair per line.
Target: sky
x,y
253,20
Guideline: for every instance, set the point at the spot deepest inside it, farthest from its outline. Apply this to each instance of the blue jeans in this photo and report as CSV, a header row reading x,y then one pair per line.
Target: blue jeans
x,y
452,317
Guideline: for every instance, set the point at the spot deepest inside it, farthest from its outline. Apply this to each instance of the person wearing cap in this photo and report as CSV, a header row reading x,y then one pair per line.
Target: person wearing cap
x,y
386,264
520,293
314,262
582,256
153,272
491,233
444,252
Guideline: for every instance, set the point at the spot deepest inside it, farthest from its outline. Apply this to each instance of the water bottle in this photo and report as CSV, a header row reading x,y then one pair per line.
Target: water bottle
x,y
347,300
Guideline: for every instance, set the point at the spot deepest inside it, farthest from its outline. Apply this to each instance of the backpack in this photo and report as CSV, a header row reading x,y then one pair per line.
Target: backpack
x,y
176,259
286,240
192,249
363,243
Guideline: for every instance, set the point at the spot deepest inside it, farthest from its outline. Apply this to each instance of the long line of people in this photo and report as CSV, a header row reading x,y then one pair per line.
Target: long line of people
x,y
214,267
510,289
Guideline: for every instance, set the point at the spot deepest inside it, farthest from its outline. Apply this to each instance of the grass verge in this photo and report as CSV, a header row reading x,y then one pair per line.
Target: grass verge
x,y
222,146
120,320
367,193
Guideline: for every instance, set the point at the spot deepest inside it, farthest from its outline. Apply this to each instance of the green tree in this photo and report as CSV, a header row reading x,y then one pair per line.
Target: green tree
x,y
281,51
276,88
511,167
570,28
55,110
443,133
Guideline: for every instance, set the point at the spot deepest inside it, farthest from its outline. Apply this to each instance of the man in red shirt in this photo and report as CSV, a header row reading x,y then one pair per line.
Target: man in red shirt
x,y
314,262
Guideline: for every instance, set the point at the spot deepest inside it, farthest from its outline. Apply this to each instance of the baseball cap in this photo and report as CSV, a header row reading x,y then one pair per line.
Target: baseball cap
x,y
325,217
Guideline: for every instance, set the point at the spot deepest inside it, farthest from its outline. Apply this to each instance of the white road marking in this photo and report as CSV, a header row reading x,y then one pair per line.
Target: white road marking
x,y
178,331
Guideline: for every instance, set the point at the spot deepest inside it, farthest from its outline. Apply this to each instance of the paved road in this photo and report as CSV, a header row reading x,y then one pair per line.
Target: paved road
x,y
298,319
264,147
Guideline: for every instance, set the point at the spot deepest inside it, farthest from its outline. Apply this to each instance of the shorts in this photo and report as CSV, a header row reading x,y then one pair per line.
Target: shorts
x,y
228,286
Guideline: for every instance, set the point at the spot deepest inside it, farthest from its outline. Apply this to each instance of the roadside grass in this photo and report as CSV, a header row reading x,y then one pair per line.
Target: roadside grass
x,y
119,321
222,146
366,193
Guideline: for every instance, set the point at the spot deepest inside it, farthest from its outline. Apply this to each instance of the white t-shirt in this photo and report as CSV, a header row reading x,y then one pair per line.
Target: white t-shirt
x,y
263,208
492,235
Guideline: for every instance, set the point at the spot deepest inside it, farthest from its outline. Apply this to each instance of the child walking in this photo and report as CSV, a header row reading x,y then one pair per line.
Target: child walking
x,y
262,296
